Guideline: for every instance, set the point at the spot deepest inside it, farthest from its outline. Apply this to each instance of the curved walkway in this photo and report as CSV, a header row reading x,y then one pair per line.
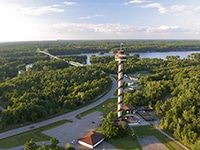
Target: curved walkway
x,y
171,138
67,116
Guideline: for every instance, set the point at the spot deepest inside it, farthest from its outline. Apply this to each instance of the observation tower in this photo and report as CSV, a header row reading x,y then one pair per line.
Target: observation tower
x,y
120,57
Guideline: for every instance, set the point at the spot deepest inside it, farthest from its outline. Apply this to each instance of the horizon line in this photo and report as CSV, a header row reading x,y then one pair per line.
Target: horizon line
x,y
99,40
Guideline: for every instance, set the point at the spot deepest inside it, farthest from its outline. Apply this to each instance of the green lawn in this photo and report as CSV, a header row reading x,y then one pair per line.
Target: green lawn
x,y
149,130
106,107
35,134
131,142
126,142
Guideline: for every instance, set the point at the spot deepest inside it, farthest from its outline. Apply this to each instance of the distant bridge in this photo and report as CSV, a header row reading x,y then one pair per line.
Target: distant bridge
x,y
58,58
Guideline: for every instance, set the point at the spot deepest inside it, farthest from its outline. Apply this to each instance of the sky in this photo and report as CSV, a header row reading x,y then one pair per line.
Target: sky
x,y
33,20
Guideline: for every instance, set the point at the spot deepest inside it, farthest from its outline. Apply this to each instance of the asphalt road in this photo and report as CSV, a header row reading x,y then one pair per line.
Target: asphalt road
x,y
67,116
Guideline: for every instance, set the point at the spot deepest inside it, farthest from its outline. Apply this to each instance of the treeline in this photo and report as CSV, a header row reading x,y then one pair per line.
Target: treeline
x,y
77,47
101,59
37,94
135,63
132,64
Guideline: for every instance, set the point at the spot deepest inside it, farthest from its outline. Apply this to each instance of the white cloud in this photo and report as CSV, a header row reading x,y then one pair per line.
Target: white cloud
x,y
138,1
16,9
101,28
90,17
184,9
157,6
149,4
115,29
70,3
36,11
162,9
166,29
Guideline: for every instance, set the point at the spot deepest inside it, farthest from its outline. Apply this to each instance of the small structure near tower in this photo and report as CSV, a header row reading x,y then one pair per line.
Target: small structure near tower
x,y
120,57
91,139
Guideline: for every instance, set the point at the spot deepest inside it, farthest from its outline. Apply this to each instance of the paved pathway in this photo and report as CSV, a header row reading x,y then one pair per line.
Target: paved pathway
x,y
68,116
151,143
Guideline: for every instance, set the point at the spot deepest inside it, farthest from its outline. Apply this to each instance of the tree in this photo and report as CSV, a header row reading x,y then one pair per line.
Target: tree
x,y
196,145
54,143
30,145
135,98
44,147
109,126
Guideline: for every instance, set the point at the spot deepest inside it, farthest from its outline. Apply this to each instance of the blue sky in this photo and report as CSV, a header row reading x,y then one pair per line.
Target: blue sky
x,y
25,20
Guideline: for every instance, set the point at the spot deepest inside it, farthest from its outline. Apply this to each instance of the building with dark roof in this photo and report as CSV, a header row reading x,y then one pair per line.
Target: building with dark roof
x,y
145,115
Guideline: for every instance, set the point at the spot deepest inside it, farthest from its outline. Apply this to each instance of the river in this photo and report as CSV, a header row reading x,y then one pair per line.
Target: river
x,y
162,55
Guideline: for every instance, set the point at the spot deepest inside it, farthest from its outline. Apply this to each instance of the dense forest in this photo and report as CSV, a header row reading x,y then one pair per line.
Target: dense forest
x,y
37,94
171,86
11,65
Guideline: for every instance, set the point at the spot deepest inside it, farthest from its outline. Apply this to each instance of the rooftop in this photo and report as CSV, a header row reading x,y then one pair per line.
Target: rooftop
x,y
92,138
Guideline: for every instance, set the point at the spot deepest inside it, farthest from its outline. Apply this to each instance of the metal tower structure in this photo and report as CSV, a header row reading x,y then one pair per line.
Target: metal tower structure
x,y
120,57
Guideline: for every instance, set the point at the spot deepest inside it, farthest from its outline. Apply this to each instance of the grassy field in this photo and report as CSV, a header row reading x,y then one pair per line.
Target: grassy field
x,y
149,130
106,107
126,142
35,134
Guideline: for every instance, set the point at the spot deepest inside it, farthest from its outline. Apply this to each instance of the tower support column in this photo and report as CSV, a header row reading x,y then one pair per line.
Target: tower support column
x,y
120,57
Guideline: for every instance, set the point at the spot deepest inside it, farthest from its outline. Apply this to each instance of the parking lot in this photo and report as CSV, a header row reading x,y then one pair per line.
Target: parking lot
x,y
71,132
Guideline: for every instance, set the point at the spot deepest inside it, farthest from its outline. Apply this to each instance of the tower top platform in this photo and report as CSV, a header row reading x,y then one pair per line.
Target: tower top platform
x,y
120,56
